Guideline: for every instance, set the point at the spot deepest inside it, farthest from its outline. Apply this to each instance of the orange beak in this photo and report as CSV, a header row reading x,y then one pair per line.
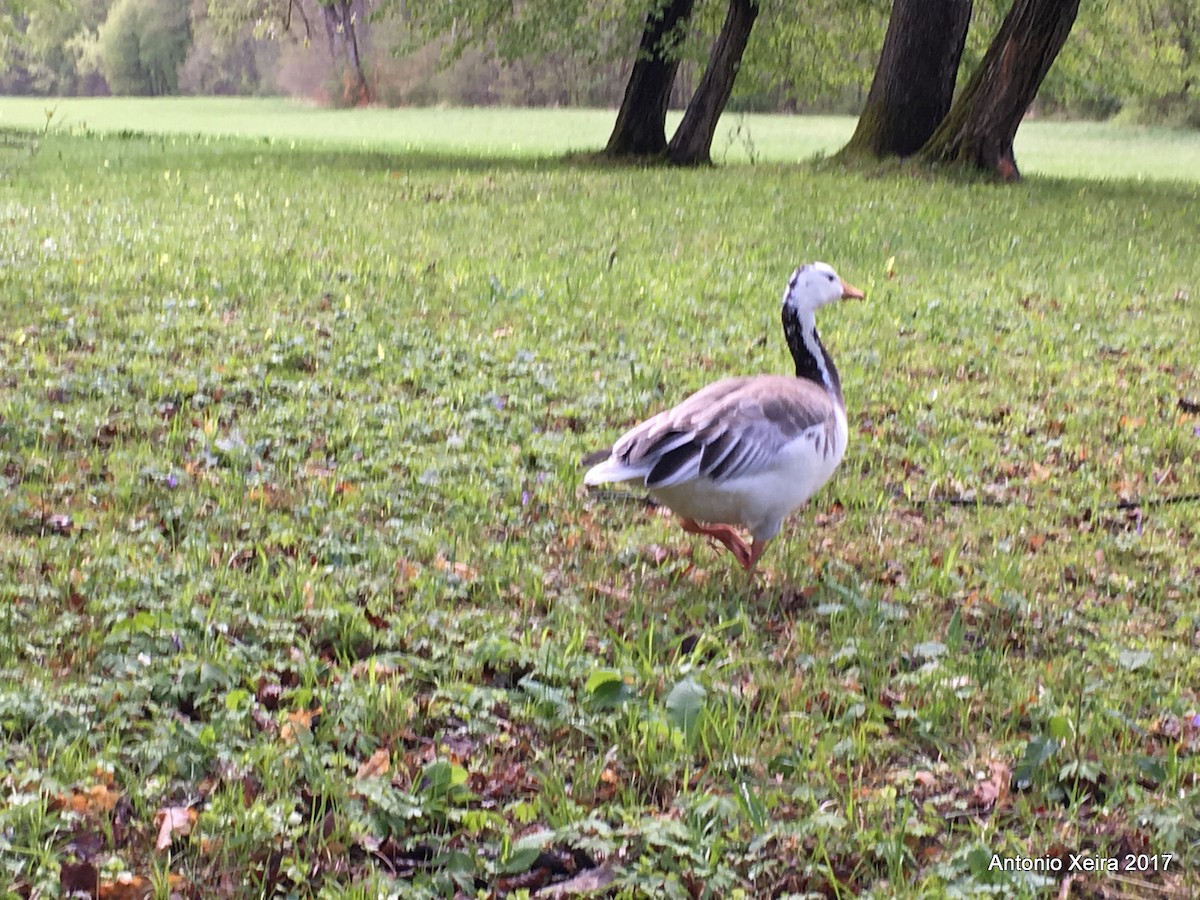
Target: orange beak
x,y
850,292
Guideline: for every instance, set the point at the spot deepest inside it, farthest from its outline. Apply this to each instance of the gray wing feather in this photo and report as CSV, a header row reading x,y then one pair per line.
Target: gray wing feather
x,y
732,428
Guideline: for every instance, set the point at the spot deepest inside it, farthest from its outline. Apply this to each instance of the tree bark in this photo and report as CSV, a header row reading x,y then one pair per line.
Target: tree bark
x,y
641,126
980,127
350,29
914,80
340,25
692,143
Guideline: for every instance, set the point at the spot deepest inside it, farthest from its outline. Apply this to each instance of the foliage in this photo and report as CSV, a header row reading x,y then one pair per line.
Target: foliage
x,y
1138,57
222,62
46,54
142,45
299,592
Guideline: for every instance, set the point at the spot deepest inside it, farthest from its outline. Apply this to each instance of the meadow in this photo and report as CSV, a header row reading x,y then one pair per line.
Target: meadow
x,y
1068,149
301,594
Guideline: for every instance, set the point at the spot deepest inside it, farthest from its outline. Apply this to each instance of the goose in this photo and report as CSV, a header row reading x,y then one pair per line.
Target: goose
x,y
746,451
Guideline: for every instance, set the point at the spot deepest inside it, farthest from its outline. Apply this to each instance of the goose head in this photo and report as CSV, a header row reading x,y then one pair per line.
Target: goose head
x,y
814,285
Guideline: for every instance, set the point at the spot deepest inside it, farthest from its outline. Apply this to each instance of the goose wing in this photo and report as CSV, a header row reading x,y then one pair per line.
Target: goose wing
x,y
730,429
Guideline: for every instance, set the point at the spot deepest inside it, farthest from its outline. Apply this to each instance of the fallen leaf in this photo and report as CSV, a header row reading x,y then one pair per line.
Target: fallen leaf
x,y
60,523
86,844
610,785
1038,473
99,798
378,765
994,791
297,720
407,571
460,569
126,887
586,882
171,821
78,878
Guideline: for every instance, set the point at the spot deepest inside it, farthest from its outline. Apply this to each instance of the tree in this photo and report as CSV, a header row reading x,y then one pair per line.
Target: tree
x,y
914,80
692,142
343,21
341,26
641,126
120,51
40,44
535,27
142,45
980,127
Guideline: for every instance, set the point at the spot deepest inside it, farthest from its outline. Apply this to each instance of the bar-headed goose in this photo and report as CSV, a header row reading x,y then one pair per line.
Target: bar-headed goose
x,y
747,450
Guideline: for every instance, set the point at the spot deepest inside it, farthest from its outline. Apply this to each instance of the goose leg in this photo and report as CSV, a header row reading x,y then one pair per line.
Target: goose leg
x,y
727,536
756,550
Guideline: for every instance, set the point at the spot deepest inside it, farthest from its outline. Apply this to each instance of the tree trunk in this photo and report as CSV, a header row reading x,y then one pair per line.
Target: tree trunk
x,y
914,80
692,143
641,127
981,125
340,25
350,34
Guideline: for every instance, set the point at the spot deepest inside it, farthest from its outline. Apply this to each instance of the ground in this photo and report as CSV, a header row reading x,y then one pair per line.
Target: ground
x,y
302,594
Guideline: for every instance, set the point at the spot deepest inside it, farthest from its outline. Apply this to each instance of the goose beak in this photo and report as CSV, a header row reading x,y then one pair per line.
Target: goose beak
x,y
850,292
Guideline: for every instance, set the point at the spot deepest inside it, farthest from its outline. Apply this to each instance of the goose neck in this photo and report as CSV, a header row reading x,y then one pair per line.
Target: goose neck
x,y
812,359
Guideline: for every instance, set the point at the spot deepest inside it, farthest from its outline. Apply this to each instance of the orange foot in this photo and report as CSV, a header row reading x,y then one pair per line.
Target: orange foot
x,y
746,556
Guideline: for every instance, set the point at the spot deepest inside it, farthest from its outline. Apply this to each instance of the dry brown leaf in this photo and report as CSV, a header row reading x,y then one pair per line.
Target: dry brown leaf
x,y
171,821
136,887
586,882
126,887
407,571
994,791
78,878
379,764
300,719
99,798
610,785
460,569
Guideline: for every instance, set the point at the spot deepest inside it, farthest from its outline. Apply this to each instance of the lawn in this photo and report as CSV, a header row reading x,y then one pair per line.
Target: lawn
x,y
1070,149
301,595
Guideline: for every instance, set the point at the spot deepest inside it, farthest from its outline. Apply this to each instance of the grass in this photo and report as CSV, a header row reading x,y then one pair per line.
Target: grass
x,y
301,594
1070,149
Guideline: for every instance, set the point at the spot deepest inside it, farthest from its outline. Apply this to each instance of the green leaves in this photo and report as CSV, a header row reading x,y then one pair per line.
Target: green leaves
x,y
266,610
606,688
685,705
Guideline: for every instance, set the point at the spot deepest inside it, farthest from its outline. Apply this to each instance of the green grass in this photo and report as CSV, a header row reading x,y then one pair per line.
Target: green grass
x,y
1071,149
293,533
